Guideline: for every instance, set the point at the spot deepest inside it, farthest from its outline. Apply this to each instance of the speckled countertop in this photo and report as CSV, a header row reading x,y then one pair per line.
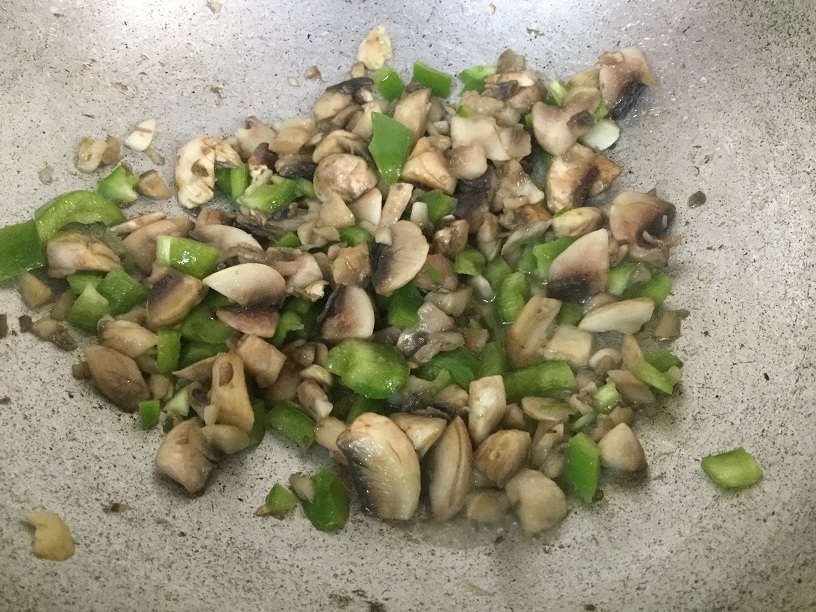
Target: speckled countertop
x,y
732,116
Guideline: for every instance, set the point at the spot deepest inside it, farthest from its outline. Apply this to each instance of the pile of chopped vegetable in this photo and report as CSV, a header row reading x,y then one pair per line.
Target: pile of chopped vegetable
x,y
436,293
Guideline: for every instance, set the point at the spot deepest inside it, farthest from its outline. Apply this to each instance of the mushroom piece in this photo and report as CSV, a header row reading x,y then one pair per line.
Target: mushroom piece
x,y
34,291
488,405
452,303
395,264
435,344
368,207
141,243
633,390
412,111
326,431
152,186
577,222
438,274
467,162
383,466
452,239
577,175
375,49
248,284
422,431
142,136
72,251
604,360
473,199
227,439
500,144
447,469
131,225
538,502
126,337
632,214
117,377
90,153
626,316
195,168
229,395
430,168
340,141
255,132
349,314
292,138
224,237
200,371
258,320
621,450
557,129
173,296
352,266
582,269
623,75
528,334
185,456
516,187
346,175
502,455
313,399
262,360
399,195
295,166
52,537
570,344
486,506
630,352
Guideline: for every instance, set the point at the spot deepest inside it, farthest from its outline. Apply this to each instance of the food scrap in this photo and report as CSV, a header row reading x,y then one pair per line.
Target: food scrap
x,y
52,538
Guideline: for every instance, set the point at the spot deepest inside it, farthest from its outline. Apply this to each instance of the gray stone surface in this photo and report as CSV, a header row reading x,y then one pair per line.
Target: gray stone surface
x,y
732,116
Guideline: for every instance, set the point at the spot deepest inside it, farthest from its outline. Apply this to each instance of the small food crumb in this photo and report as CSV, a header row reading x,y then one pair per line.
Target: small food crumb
x,y
477,590
490,9
312,73
115,507
120,85
5,400
52,538
25,323
46,175
3,326
535,31
219,94
293,82
696,199
214,6
589,607
154,156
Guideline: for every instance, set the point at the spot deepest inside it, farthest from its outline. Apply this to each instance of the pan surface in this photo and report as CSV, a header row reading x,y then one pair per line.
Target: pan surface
x,y
731,116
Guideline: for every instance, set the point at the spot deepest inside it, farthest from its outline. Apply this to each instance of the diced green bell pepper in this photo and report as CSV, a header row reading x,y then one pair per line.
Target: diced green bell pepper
x,y
196,351
391,144
258,430
404,305
493,360
469,261
280,501
656,288
292,423
546,252
548,379
389,83
583,466
570,313
186,255
21,249
84,207
736,469
180,402
201,325
496,271
269,198
473,78
289,241
663,359
360,405
653,377
606,397
373,370
87,309
439,83
168,350
329,509
460,363
122,291
118,186
439,204
511,297
79,280
149,412
239,180
355,235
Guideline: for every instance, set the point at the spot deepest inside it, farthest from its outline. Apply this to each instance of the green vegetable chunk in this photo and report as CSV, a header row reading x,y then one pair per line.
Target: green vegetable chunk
x,y
548,379
496,271
372,370
79,280
280,501
389,83
20,249
84,207
469,261
439,204
360,405
329,509
653,377
583,466
607,397
493,360
403,306
202,326
391,144
287,420
258,431
269,198
186,255
122,291
149,412
289,241
546,253
511,296
168,350
196,351
118,186
88,308
355,235
473,78
734,469
619,279
180,402
657,288
239,180
439,83
570,313
460,363
662,360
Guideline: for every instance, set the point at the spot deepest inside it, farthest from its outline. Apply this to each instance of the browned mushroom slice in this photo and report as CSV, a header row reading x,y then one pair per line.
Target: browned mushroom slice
x,y
295,166
229,394
126,337
383,466
538,502
621,450
447,468
262,360
349,314
467,162
412,111
184,455
558,129
223,237
502,455
117,377
486,506
531,330
570,344
172,297
473,199
141,243
152,186
453,303
352,266
624,74
200,371
429,168
259,319
437,274
195,168
578,174
626,316
340,141
226,439
346,175
578,222
582,269
423,431
488,404
248,284
516,187
395,264
72,251
632,213
254,133
399,195
131,225
326,432
633,390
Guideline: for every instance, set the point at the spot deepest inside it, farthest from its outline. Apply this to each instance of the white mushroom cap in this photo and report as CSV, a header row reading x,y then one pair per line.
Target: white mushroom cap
x,y
195,168
537,500
249,283
621,450
626,316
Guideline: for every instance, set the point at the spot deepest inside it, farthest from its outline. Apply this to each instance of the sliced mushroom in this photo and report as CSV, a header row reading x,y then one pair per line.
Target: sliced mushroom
x,y
229,393
430,168
258,320
185,456
117,377
621,450
412,111
538,502
500,143
254,133
152,186
326,432
248,284
173,296
529,333
452,303
488,404
630,352
626,316
262,360
394,265
399,195
383,466
352,266
435,344
375,49
141,243
313,399
200,371
486,506
633,390
437,274
632,214
295,166
227,439
431,321
349,314
223,237
605,359
368,207
89,154
346,175
516,187
624,74
577,222
570,344
557,129
452,239
195,168
502,455
131,225
473,199
142,136
447,468
126,337
582,269
422,431
467,162
72,251
340,141
578,174
548,436
52,537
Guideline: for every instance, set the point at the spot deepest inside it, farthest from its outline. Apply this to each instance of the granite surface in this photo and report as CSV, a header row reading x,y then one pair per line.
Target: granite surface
x,y
732,116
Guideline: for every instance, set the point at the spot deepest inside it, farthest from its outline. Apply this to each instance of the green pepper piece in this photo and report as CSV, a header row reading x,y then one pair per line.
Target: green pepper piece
x,y
168,350
570,313
329,509
293,424
122,291
84,207
607,397
196,351
548,379
511,296
583,466
656,288
464,111
239,180
186,255
442,380
496,271
439,205
305,188
258,431
546,252
200,325
87,309
404,305
180,402
391,144
434,275
289,241
469,261
373,370
355,235
602,110
222,180
619,279
493,360
439,83
21,249
297,305
473,78
389,83
280,501
360,405
118,186
663,360
79,280
557,91
149,412
583,421
269,198
735,469
527,262
460,363
288,322
653,377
